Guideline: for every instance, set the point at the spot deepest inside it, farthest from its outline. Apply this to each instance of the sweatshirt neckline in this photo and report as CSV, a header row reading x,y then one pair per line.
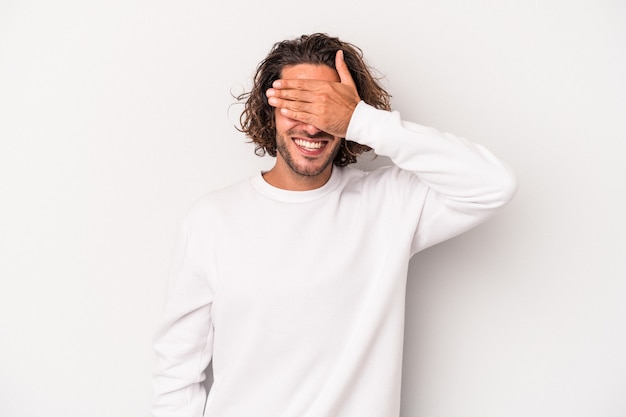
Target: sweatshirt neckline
x,y
288,196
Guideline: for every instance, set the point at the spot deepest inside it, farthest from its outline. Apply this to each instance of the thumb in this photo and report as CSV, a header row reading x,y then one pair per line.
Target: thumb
x,y
342,69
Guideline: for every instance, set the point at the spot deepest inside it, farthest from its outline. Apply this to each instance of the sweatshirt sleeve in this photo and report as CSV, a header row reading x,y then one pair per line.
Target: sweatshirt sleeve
x,y
183,341
465,182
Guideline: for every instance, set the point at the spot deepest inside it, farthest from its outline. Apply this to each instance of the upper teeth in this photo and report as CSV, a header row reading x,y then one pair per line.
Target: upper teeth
x,y
308,144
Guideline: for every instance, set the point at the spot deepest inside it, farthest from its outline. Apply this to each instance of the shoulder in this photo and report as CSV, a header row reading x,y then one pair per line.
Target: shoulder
x,y
218,202
386,175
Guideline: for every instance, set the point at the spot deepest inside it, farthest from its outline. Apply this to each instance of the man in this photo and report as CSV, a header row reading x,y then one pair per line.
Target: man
x,y
292,282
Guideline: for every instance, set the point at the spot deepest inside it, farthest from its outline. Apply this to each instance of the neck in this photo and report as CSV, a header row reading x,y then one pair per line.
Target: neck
x,y
295,182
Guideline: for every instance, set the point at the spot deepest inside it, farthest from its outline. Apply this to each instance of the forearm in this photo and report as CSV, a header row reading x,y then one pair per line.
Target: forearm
x,y
463,173
183,342
181,361
462,183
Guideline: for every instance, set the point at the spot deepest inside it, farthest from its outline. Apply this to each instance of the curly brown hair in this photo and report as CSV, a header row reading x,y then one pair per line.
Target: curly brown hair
x,y
257,119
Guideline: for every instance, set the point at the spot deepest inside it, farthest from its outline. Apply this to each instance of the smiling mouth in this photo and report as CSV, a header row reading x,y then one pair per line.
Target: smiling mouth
x,y
310,145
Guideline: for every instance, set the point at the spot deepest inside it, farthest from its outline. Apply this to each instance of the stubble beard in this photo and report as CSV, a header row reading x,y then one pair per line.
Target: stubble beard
x,y
309,170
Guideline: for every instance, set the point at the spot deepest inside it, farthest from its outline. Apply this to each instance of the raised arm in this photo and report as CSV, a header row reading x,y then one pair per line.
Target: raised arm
x,y
465,182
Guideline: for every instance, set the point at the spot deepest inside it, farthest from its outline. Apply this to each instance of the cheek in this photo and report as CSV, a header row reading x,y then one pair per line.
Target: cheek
x,y
283,123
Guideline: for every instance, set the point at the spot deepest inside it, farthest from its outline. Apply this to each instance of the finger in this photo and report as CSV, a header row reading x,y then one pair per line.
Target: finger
x,y
302,84
297,115
342,69
291,104
296,106
290,94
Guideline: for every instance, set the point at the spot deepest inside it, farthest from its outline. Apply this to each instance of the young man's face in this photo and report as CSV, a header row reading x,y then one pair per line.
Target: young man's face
x,y
305,153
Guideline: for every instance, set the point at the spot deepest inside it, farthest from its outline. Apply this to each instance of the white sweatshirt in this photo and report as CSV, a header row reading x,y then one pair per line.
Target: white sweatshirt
x,y
298,296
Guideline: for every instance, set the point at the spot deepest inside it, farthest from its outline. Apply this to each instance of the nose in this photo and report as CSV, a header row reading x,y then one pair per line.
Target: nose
x,y
311,130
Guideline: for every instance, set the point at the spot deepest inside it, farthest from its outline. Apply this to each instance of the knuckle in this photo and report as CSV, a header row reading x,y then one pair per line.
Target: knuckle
x,y
295,106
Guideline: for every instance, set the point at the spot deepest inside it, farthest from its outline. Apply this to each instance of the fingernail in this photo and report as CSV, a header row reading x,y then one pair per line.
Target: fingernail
x,y
269,92
276,84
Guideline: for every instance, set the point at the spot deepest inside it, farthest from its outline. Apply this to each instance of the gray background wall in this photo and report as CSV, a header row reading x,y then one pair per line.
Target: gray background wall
x,y
115,116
